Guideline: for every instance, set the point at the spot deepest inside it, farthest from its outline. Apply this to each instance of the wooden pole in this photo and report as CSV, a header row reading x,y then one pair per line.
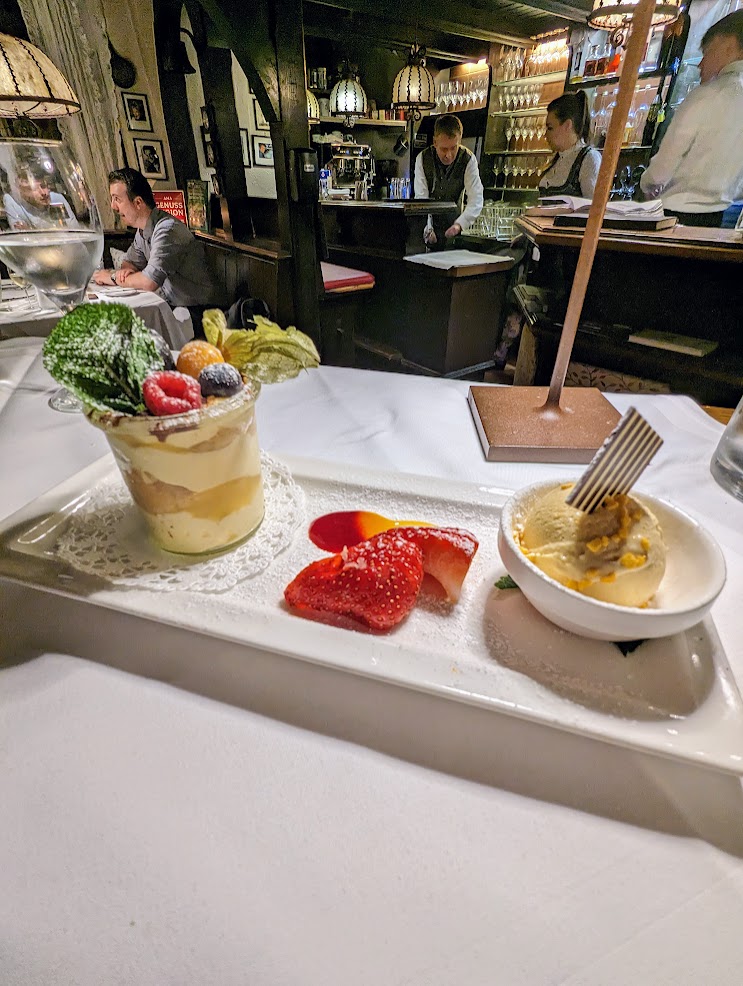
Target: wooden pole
x,y
641,23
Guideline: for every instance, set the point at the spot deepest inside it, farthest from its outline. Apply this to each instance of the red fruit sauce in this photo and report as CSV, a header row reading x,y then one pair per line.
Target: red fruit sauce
x,y
336,531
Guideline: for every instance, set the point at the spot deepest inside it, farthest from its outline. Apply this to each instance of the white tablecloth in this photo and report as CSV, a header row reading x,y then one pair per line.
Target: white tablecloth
x,y
333,830
154,311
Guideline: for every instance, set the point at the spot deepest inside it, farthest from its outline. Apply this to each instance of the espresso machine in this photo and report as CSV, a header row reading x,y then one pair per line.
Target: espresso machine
x,y
352,166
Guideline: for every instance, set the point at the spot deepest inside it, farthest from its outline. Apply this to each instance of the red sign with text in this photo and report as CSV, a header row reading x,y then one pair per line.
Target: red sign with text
x,y
172,202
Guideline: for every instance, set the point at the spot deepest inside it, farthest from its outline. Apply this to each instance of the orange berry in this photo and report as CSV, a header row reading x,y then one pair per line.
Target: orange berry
x,y
197,354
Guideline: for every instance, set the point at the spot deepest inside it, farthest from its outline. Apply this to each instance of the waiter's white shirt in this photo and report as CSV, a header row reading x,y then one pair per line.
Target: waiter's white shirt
x,y
472,188
699,165
559,173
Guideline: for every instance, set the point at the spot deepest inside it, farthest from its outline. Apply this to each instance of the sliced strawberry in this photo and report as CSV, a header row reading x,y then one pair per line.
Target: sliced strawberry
x,y
447,554
375,583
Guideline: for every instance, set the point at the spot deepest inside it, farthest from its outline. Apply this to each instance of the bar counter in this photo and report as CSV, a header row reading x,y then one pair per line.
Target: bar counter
x,y
417,318
682,280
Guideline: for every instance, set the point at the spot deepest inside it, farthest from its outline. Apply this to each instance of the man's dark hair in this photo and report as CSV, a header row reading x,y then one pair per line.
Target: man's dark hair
x,y
136,185
730,26
448,125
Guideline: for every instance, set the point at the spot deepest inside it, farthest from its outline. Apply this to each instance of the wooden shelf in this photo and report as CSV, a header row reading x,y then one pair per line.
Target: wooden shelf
x,y
361,121
597,80
476,109
545,77
531,112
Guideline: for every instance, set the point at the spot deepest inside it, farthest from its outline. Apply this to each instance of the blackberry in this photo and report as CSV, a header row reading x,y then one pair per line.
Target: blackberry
x,y
220,380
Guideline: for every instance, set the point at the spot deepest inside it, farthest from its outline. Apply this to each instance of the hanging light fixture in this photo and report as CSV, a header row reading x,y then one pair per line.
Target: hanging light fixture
x,y
313,106
347,98
31,85
414,89
612,14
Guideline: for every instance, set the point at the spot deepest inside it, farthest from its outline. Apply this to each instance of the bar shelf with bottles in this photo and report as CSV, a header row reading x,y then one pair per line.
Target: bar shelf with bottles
x,y
597,65
525,81
463,89
556,76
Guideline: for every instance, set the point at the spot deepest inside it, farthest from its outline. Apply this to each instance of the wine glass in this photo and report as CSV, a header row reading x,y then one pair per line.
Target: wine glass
x,y
54,237
24,284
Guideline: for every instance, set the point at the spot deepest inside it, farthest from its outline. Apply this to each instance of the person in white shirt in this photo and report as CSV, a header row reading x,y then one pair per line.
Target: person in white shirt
x,y
575,166
698,169
34,205
445,170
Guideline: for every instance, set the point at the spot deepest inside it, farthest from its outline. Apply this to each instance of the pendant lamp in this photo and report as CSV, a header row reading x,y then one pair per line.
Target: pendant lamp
x,y
414,89
611,14
30,83
313,106
347,98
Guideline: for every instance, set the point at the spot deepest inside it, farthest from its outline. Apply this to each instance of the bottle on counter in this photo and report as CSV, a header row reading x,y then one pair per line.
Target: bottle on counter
x,y
655,117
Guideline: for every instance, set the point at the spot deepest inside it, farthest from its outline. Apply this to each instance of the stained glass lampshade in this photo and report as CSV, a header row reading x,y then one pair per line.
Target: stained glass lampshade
x,y
414,87
610,14
30,83
347,98
313,107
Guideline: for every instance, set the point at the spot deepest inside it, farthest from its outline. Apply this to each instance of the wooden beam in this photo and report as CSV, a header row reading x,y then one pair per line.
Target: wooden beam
x,y
322,21
302,215
248,30
487,21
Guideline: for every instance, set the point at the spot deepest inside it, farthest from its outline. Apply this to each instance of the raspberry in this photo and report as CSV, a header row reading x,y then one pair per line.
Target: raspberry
x,y
197,354
220,380
168,392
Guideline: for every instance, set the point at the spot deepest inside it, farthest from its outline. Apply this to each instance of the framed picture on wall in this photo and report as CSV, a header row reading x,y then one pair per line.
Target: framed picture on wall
x,y
211,149
137,110
197,197
262,151
151,158
261,123
204,118
245,145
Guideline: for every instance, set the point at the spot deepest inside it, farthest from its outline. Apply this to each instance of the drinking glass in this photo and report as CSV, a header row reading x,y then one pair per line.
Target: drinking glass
x,y
727,462
54,237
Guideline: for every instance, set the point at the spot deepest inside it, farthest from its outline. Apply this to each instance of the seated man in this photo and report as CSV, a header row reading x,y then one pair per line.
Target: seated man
x,y
165,257
33,205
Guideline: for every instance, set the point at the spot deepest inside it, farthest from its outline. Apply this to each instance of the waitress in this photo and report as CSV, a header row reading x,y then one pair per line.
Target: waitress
x,y
575,167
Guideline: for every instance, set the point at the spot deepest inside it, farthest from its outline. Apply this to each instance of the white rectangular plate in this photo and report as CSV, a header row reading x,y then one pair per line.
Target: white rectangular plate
x,y
675,696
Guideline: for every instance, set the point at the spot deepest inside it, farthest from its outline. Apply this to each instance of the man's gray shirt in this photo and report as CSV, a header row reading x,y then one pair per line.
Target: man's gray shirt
x,y
167,252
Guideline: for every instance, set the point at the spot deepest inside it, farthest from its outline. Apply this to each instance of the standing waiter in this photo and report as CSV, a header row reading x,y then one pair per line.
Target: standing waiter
x,y
446,170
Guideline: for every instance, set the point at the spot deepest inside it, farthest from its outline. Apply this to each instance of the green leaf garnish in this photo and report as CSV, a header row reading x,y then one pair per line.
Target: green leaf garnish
x,y
505,582
103,353
267,353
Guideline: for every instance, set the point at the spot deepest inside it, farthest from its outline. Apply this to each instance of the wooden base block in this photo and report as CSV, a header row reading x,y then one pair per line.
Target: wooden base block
x,y
514,425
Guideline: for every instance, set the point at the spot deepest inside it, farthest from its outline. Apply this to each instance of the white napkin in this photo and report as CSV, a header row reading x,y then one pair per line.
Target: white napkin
x,y
447,259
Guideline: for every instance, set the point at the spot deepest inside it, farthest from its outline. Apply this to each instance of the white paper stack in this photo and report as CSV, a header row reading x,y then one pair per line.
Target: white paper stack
x,y
565,205
446,259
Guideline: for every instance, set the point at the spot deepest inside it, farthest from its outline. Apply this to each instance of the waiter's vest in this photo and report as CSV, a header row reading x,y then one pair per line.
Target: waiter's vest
x,y
571,185
445,184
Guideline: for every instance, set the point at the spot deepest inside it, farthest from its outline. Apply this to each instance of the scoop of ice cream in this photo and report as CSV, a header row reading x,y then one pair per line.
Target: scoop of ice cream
x,y
615,554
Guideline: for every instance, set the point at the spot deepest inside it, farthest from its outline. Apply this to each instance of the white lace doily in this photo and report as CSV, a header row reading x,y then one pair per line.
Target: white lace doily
x,y
107,537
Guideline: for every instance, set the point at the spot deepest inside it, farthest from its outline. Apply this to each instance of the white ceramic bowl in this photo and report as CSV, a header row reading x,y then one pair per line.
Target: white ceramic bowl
x,y
695,574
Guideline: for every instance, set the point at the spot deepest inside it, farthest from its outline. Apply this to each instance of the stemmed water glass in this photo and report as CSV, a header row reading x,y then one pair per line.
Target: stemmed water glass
x,y
54,238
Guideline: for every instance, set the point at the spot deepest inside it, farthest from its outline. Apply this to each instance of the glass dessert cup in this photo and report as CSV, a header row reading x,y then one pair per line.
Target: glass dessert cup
x,y
195,477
